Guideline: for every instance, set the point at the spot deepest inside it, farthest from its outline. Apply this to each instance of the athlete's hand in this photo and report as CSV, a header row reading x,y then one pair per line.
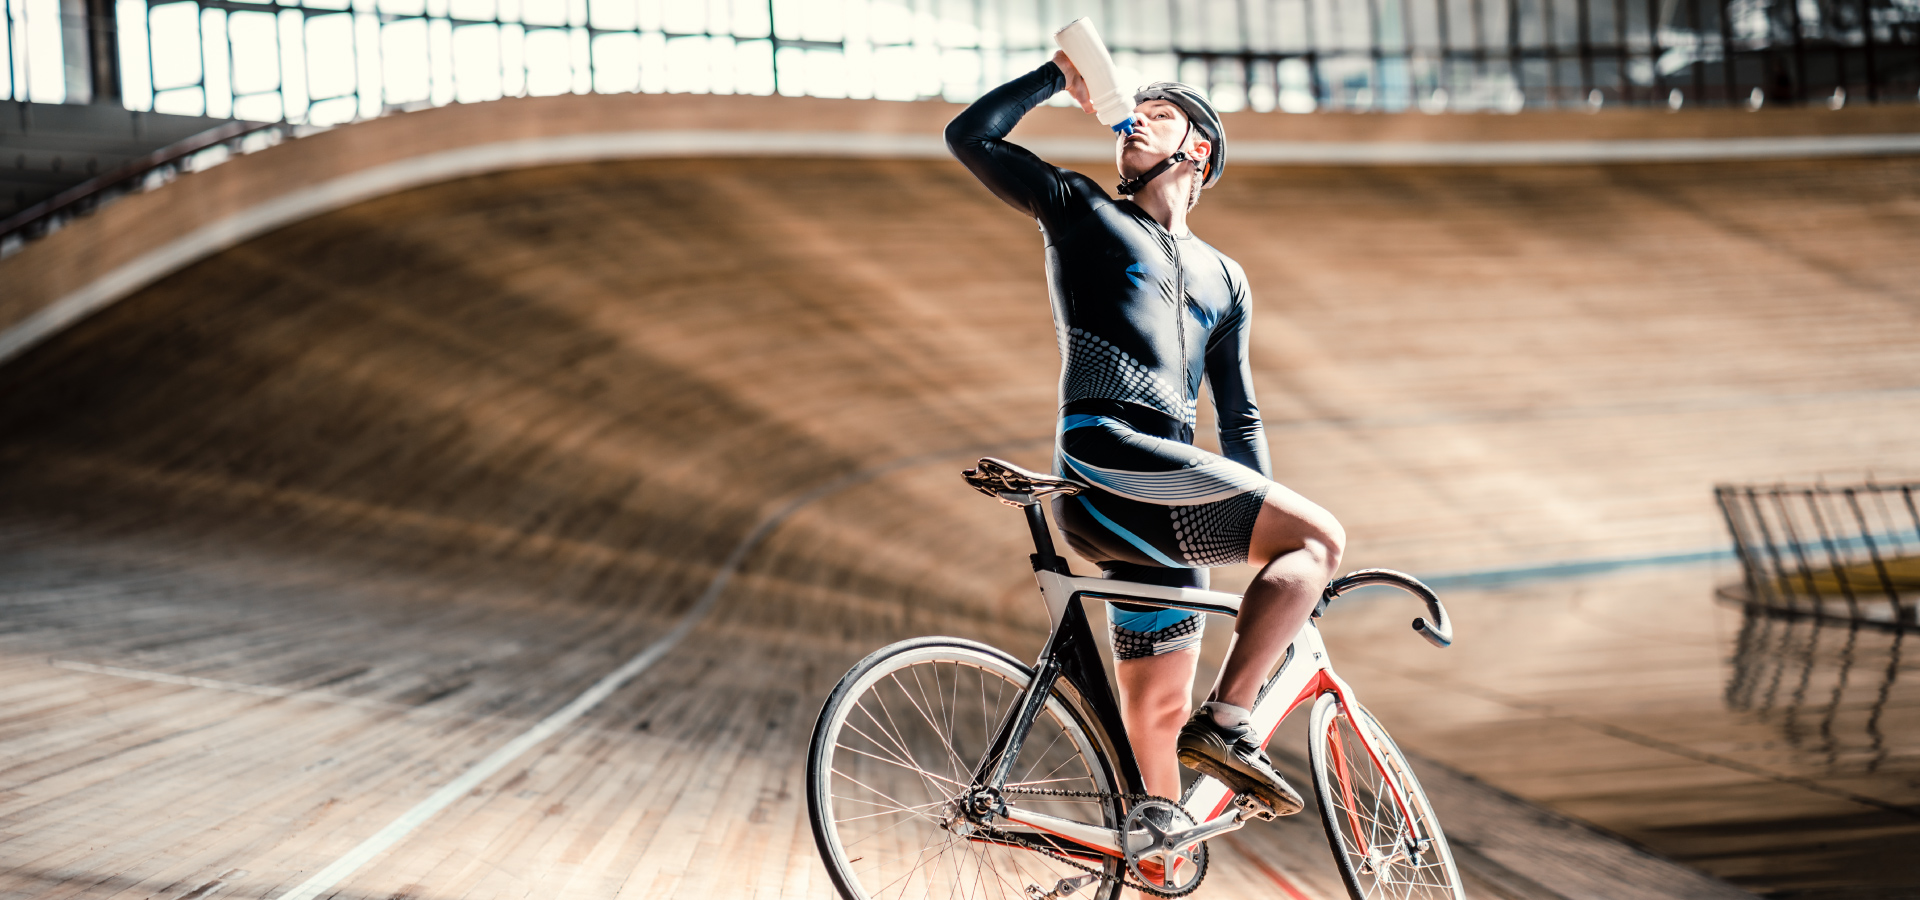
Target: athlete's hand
x,y
1076,86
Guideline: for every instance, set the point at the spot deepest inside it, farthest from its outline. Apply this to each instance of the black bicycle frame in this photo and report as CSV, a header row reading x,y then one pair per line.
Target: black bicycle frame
x,y
1073,654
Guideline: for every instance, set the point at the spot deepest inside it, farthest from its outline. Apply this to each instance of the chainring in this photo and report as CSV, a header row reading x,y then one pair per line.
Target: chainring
x,y
1181,868
1136,882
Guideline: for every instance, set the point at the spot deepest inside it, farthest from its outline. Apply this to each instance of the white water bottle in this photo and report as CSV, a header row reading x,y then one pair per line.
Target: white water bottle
x,y
1089,53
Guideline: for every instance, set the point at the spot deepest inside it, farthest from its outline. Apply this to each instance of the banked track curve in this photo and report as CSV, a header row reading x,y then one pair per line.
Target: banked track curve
x,y
460,451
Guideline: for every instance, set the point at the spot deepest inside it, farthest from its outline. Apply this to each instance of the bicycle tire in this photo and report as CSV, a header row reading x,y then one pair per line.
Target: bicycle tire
x,y
902,732
1365,828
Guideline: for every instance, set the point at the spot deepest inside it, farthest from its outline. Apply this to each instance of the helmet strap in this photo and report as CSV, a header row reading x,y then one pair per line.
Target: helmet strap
x,y
1138,183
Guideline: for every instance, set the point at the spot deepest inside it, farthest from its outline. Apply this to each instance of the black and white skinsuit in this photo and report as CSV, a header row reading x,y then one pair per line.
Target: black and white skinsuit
x,y
1142,315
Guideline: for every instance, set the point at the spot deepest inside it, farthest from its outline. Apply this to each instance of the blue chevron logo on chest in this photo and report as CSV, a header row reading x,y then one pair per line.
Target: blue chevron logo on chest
x,y
1137,273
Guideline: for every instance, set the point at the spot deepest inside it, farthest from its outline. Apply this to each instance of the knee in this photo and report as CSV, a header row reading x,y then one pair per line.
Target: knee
x,y
1170,713
1303,526
1333,542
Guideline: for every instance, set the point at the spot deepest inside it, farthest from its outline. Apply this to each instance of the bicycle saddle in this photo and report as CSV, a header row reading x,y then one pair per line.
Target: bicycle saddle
x,y
1016,486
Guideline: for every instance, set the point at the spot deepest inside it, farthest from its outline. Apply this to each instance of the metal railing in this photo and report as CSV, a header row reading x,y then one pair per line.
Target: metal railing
x,y
328,61
1828,552
1826,685
157,169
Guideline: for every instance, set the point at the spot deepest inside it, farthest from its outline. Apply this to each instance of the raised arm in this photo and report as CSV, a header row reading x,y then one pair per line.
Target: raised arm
x,y
977,138
1243,438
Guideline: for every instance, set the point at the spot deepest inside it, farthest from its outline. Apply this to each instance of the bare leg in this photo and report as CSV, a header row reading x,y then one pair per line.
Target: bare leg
x,y
1156,695
1297,545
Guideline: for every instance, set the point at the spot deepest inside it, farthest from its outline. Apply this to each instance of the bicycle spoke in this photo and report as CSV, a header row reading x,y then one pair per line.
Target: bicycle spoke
x,y
919,863
1048,775
891,757
894,734
957,786
885,811
938,732
897,804
1041,756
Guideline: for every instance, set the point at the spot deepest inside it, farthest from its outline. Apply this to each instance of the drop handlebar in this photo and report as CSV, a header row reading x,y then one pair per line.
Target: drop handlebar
x,y
1438,629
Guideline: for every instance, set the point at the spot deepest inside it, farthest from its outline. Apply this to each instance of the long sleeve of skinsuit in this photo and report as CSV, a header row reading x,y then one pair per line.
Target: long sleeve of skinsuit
x,y
1243,437
977,137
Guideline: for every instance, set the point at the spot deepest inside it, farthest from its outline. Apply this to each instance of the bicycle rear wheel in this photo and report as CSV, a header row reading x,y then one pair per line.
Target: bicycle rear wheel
x,y
898,741
1380,852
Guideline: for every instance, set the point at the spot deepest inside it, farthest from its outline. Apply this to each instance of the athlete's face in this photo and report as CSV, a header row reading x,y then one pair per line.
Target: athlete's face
x,y
1158,127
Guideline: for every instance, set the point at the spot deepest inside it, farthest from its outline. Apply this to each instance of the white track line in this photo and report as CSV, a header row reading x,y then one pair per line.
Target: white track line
x,y
399,828
236,687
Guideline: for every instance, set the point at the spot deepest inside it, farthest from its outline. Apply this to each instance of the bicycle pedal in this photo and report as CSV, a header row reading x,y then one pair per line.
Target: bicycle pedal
x,y
1255,807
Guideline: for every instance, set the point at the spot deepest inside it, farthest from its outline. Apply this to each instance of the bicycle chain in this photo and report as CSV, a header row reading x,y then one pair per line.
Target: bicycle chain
x,y
1121,879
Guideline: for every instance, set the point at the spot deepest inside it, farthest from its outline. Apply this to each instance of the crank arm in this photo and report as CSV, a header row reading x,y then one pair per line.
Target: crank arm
x,y
1107,840
1093,837
1234,820
1007,834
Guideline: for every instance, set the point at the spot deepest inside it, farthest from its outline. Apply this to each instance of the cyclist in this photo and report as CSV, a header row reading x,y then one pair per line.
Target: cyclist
x,y
1144,310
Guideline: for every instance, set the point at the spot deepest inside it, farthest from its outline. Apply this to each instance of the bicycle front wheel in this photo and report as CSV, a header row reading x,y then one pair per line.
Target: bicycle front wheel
x,y
1381,849
898,742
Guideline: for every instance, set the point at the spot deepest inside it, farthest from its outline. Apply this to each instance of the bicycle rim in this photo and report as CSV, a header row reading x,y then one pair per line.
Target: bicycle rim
x,y
1379,852
900,737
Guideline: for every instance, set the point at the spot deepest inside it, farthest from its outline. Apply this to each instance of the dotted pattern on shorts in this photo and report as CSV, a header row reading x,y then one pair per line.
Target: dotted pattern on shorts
x,y
1097,370
1178,636
1217,533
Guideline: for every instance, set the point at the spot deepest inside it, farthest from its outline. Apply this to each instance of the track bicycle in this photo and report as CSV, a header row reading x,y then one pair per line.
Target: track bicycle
x,y
943,767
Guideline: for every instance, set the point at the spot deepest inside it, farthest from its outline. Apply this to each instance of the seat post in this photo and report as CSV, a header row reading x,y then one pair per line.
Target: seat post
x,y
1044,557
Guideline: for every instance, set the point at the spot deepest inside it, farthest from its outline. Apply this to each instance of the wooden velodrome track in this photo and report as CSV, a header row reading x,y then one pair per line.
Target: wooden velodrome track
x,y
297,535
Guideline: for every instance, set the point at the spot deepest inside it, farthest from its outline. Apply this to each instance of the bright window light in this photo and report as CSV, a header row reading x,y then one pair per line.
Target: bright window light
x,y
749,19
46,75
329,56
543,12
684,17
720,65
580,55
476,63
549,68
513,60
264,58
688,65
256,53
7,76
826,73
753,68
653,62
136,88
960,70
259,107
213,42
366,57
180,102
893,73
821,20
613,15
1296,87
440,60
474,10
791,64
336,111
889,23
616,63
293,65
403,51
175,28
